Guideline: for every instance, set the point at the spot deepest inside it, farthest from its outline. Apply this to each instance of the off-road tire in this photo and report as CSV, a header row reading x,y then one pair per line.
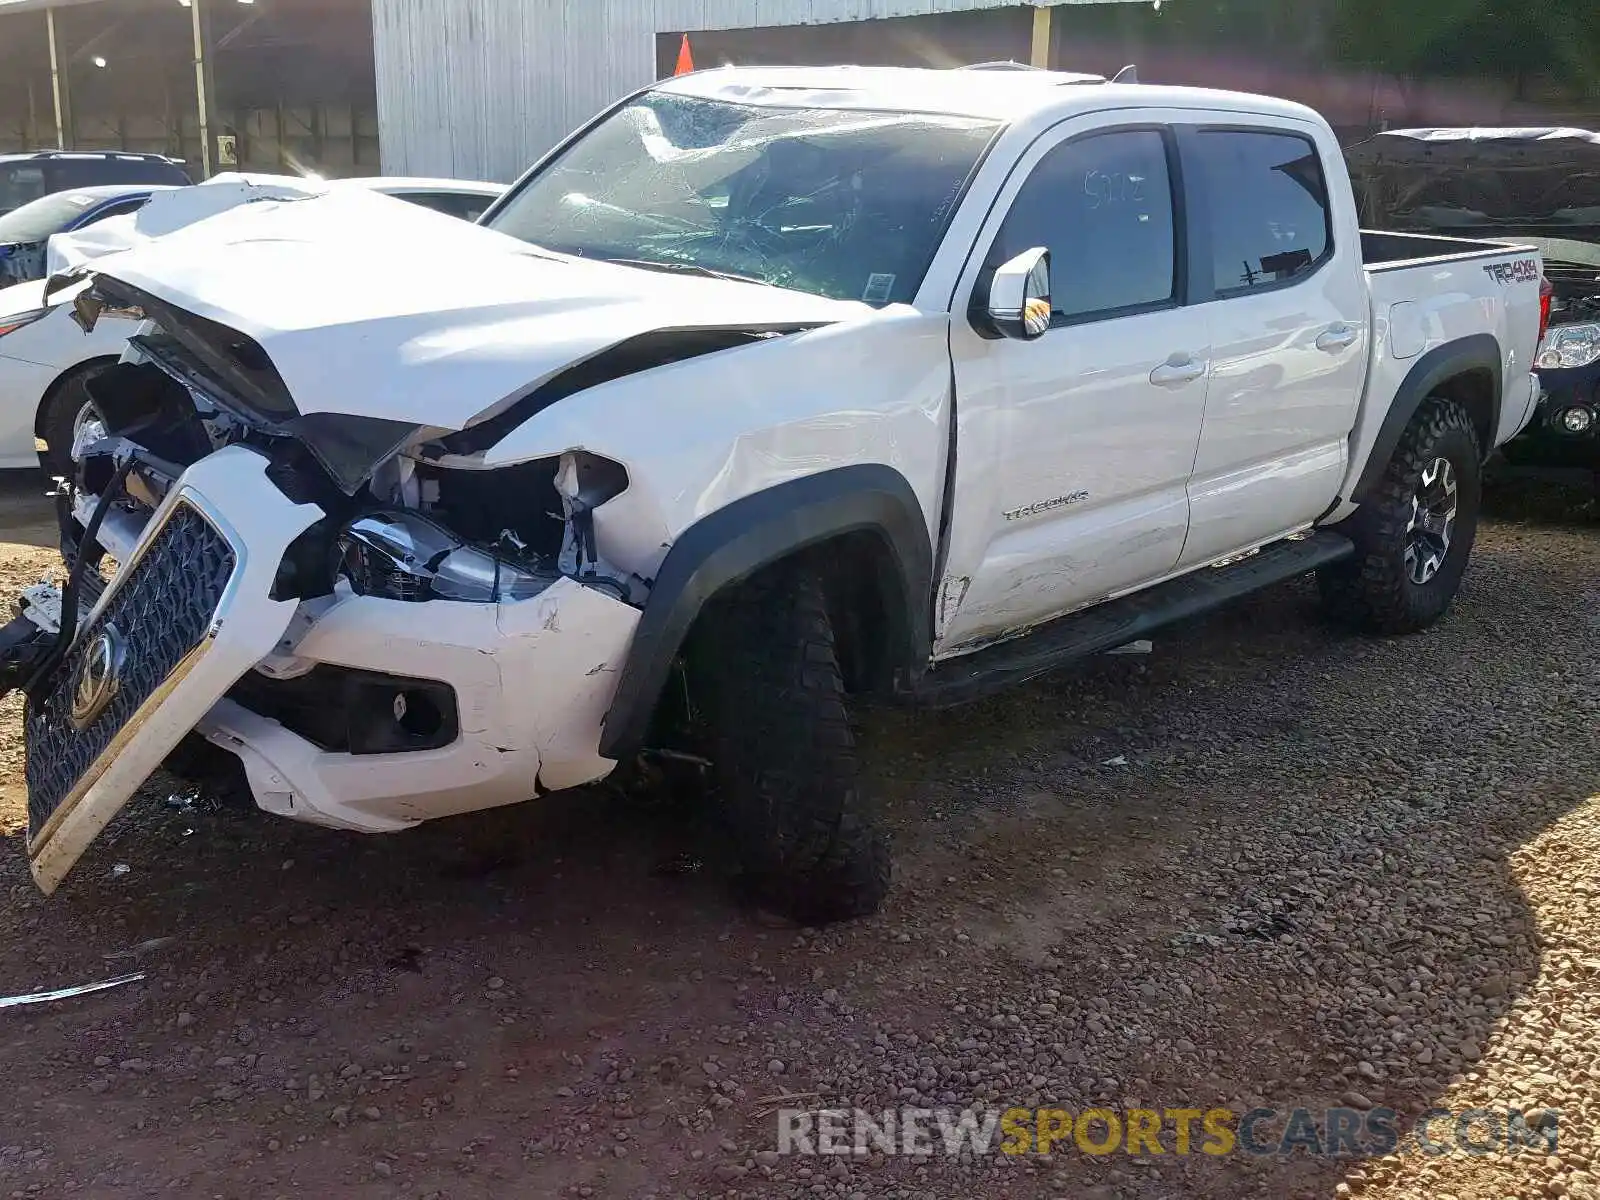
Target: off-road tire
x,y
59,414
764,677
1374,591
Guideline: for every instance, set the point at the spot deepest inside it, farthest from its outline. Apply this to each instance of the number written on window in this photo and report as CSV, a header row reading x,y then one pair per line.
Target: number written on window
x,y
1102,205
1113,187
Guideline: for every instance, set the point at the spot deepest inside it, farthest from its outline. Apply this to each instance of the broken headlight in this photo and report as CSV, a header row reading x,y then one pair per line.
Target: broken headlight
x,y
1569,346
403,556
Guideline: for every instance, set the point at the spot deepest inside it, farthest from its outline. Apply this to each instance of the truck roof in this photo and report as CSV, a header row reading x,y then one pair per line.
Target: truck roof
x,y
1011,96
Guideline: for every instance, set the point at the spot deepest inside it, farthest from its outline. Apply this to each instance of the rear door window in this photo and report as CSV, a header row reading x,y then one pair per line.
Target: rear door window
x,y
1266,199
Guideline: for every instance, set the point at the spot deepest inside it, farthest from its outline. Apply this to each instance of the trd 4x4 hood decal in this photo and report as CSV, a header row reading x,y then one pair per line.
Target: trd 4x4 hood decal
x,y
369,306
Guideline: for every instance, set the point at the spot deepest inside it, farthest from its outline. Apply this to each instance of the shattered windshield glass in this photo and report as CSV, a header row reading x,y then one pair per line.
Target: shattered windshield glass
x,y
840,203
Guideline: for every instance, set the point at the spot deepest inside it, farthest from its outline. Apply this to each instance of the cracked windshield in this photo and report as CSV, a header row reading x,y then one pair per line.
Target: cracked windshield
x,y
845,204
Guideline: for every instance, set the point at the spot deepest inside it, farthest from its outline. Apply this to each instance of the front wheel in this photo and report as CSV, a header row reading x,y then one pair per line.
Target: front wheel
x,y
1414,537
66,415
764,674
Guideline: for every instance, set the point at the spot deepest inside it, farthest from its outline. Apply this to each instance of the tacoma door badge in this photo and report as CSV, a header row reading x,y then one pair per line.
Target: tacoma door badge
x,y
1044,506
99,677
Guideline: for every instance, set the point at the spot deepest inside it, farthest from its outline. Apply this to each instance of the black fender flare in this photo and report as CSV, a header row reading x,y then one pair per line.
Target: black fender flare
x,y
733,543
1479,352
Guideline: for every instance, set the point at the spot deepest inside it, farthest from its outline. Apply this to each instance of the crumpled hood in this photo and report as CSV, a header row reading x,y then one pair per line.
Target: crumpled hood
x,y
166,212
369,306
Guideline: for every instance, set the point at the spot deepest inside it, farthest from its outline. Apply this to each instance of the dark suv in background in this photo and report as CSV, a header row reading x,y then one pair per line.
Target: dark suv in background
x,y
1536,186
26,177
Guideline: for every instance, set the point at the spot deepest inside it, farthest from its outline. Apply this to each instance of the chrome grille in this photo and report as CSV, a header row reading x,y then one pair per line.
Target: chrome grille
x,y
161,614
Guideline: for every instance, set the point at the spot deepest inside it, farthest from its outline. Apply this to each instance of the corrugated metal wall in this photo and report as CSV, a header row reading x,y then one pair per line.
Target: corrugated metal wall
x,y
481,88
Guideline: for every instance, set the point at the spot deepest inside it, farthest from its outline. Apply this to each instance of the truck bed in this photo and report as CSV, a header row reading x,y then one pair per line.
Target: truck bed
x,y
1428,292
1382,250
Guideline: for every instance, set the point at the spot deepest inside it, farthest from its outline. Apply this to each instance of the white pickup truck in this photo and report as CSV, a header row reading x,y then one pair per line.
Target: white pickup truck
x,y
767,389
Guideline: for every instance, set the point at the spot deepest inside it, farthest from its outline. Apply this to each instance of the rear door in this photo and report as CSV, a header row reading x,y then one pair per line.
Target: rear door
x,y
1289,320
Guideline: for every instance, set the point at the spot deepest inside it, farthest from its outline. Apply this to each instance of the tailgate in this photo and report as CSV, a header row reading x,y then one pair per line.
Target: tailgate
x,y
187,615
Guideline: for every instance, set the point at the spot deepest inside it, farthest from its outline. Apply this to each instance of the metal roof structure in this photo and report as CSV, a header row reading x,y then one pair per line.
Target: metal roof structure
x,y
483,90
479,89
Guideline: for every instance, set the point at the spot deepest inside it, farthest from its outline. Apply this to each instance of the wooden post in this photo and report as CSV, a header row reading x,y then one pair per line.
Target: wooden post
x,y
200,88
55,80
1041,37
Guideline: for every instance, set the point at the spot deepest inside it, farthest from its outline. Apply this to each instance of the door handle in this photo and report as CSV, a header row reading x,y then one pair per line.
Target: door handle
x,y
1340,337
1177,371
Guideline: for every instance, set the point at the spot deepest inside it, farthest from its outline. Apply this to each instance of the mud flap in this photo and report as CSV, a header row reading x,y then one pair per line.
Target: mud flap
x,y
188,614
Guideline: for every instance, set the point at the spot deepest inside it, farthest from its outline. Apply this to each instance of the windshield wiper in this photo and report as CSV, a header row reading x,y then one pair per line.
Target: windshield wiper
x,y
683,268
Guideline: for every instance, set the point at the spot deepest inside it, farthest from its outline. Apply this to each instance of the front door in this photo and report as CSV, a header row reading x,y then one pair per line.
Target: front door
x,y
1074,451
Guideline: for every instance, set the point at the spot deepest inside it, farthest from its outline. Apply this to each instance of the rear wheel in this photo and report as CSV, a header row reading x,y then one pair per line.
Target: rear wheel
x,y
764,677
67,413
1414,537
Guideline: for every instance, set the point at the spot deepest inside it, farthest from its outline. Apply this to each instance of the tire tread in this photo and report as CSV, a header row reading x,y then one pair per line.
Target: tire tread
x,y
1373,592
785,754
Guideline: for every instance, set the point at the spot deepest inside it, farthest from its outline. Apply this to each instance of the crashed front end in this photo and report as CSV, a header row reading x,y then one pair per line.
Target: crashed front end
x,y
381,631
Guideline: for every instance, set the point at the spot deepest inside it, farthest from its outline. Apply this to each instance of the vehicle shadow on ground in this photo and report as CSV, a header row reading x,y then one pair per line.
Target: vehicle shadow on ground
x,y
1532,502
1368,957
1249,863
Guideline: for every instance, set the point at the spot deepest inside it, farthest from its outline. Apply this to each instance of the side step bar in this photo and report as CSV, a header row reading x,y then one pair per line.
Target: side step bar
x,y
1118,622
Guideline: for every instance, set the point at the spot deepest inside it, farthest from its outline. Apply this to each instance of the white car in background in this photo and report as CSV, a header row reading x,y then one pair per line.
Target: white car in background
x,y
45,357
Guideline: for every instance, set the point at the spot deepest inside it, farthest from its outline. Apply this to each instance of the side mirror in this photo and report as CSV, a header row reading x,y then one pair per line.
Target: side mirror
x,y
1019,296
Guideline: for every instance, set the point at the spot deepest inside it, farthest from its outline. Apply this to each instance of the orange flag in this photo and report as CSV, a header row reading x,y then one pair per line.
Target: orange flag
x,y
685,58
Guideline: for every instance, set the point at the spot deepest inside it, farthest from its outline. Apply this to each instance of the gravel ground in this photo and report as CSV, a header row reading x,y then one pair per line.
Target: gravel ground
x,y
1266,865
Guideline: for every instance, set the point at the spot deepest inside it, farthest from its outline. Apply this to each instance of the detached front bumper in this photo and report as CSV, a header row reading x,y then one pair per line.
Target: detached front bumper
x,y
531,683
188,614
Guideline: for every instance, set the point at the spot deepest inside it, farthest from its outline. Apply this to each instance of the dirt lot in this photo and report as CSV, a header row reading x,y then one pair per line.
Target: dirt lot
x,y
1266,865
